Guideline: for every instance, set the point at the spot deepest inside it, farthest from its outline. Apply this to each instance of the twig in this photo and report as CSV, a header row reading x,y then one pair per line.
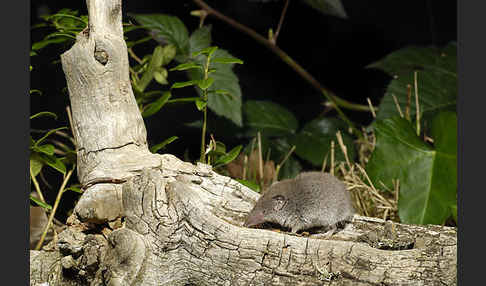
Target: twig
x,y
397,105
260,159
134,56
417,112
332,158
283,162
337,101
245,166
280,22
409,96
44,180
36,185
324,162
343,148
54,208
372,109
70,118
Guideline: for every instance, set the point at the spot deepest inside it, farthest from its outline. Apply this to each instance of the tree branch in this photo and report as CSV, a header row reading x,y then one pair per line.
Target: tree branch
x,y
336,101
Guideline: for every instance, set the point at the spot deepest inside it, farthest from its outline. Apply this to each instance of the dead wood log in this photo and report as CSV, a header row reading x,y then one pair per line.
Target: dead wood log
x,y
149,219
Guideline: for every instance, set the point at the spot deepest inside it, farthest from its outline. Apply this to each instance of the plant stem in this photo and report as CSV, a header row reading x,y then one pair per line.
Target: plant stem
x,y
280,22
134,56
203,135
36,186
202,159
338,102
54,208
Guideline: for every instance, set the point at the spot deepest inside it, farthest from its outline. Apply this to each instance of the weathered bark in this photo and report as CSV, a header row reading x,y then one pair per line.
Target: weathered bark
x,y
182,224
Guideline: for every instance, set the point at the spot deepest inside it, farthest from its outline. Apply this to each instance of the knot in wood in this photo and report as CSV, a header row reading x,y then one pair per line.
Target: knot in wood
x,y
101,56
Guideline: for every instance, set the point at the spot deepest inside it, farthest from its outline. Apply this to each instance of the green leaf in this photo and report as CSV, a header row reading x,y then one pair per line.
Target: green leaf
x,y
44,113
53,162
269,118
436,80
200,39
68,20
40,203
444,132
428,182
216,151
228,157
35,91
313,142
219,92
57,35
162,144
255,187
155,62
209,51
74,189
35,164
187,66
205,83
185,83
131,44
184,99
155,106
128,27
169,53
47,134
220,148
227,61
160,75
200,104
167,28
290,169
454,212
195,124
41,44
330,7
46,149
224,78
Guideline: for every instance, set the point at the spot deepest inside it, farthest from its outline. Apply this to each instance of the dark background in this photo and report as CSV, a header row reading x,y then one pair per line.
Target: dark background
x,y
335,51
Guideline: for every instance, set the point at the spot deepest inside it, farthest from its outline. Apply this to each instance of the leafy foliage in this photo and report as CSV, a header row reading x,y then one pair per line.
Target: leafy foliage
x,y
331,7
281,128
66,23
169,29
436,80
269,118
43,153
427,175
166,29
161,145
314,140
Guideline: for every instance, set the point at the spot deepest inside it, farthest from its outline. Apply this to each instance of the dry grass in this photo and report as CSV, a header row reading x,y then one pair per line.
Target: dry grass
x,y
369,200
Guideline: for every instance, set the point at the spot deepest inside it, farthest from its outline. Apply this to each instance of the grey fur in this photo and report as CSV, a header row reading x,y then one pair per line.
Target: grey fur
x,y
311,200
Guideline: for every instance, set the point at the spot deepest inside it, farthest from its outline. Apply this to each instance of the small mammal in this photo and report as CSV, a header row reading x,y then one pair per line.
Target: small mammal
x,y
311,200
